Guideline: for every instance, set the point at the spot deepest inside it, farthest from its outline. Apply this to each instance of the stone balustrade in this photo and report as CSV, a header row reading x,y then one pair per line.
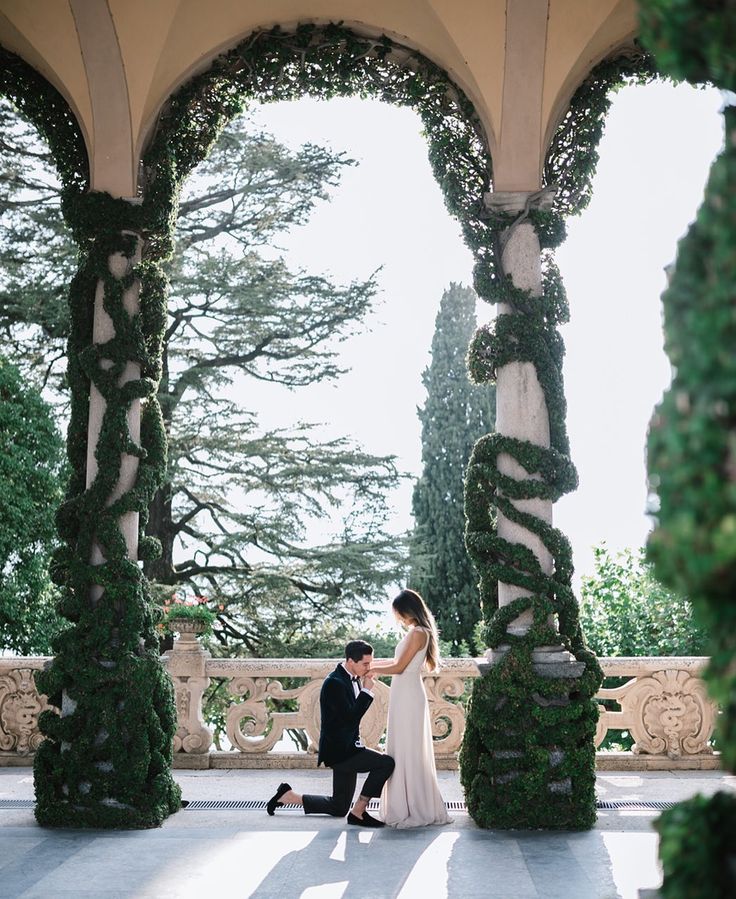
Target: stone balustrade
x,y
20,706
662,704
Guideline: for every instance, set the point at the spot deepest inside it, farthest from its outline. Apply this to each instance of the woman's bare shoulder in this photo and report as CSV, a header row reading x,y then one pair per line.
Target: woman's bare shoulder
x,y
417,636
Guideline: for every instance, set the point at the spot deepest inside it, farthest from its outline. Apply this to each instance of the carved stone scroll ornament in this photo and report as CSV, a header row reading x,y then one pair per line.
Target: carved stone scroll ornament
x,y
670,714
601,728
248,721
448,718
20,706
192,734
372,726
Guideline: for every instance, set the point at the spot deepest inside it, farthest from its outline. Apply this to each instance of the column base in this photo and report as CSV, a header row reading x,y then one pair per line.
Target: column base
x,y
547,661
528,755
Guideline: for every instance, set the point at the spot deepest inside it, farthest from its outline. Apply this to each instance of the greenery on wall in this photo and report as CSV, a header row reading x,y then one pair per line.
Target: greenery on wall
x,y
455,414
693,435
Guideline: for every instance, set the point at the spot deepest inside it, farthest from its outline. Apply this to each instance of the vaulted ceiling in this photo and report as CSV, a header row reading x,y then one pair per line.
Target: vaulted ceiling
x,y
117,61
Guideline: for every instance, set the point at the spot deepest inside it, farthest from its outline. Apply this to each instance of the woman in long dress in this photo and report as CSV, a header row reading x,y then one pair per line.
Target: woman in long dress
x,y
411,797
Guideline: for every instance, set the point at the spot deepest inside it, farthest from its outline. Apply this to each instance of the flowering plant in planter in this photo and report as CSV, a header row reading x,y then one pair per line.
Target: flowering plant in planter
x,y
194,612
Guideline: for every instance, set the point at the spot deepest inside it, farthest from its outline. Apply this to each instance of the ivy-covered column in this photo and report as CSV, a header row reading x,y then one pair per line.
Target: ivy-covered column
x,y
107,756
521,409
122,268
528,757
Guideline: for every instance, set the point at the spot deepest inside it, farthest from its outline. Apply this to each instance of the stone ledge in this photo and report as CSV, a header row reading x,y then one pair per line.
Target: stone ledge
x,y
629,761
604,761
190,761
11,760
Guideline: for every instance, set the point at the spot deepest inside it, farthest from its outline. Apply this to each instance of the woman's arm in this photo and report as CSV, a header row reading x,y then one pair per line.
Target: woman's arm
x,y
416,641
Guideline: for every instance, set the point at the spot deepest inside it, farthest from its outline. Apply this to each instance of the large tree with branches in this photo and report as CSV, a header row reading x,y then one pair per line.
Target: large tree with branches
x,y
283,530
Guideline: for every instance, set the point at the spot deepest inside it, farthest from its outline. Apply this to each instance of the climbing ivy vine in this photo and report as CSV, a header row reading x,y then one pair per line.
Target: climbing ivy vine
x,y
528,757
107,757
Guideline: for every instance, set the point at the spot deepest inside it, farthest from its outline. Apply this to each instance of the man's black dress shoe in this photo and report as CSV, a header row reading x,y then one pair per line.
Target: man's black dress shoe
x,y
273,802
365,821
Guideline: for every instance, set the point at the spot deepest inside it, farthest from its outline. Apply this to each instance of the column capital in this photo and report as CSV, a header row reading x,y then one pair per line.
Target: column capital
x,y
519,200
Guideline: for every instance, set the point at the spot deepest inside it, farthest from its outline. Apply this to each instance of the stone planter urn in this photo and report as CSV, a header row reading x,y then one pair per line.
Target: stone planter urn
x,y
187,628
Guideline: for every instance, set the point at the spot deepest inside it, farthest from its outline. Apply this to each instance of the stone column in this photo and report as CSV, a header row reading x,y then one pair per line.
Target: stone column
x,y
521,407
103,330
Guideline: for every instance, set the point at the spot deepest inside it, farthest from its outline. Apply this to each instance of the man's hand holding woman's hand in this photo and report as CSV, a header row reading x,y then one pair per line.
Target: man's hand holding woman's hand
x,y
367,681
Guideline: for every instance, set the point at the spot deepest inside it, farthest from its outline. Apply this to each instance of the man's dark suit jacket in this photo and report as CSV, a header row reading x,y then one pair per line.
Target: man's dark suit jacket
x,y
341,713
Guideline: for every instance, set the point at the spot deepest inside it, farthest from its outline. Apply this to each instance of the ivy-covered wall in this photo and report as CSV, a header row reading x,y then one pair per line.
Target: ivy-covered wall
x,y
692,439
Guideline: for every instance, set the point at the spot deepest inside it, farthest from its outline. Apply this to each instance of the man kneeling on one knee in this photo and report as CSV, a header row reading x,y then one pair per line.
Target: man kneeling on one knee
x,y
345,697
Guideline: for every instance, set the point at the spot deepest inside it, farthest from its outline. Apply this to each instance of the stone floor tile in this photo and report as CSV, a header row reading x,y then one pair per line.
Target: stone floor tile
x,y
292,856
31,866
10,850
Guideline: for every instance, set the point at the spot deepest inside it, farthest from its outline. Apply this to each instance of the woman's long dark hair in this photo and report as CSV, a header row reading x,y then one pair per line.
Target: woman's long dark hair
x,y
409,604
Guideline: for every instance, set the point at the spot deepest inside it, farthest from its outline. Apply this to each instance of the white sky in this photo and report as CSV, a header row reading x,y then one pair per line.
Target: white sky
x,y
389,212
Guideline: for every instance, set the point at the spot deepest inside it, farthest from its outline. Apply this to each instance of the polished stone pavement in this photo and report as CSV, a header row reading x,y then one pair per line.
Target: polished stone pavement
x,y
243,853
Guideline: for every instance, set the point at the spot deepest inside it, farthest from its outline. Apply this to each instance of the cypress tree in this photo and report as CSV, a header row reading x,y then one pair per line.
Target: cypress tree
x,y
455,414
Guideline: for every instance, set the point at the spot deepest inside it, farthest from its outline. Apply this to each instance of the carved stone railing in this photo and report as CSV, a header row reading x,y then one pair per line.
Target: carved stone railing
x,y
20,706
253,730
665,708
662,704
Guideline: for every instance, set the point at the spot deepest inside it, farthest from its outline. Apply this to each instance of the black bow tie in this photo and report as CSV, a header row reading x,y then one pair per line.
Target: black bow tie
x,y
355,680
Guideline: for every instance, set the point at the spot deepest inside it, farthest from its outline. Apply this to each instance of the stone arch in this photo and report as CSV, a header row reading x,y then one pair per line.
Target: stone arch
x,y
117,444
51,114
327,61
368,29
120,277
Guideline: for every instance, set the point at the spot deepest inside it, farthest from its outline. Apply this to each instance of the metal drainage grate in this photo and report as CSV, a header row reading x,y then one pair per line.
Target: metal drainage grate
x,y
632,805
252,805
454,806
259,805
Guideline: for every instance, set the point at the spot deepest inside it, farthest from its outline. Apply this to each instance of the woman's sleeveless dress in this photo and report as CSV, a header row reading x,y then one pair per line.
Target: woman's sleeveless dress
x,y
411,797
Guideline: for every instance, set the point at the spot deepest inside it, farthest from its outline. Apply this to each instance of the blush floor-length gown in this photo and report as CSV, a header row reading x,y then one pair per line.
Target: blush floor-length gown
x,y
411,797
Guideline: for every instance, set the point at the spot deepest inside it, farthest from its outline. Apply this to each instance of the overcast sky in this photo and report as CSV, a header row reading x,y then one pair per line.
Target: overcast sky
x,y
389,212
